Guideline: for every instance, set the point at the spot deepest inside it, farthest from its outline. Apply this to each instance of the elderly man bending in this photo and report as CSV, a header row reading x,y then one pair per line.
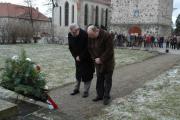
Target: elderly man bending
x,y
101,49
78,46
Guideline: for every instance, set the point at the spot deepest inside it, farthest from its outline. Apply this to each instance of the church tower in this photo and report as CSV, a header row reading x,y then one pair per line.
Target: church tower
x,y
142,17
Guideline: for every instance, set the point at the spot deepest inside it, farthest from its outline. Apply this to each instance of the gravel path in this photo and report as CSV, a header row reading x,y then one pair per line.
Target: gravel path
x,y
125,80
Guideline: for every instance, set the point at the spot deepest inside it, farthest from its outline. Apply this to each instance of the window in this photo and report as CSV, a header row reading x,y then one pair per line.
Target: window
x,y
92,18
97,16
66,14
72,13
102,16
86,15
106,19
60,16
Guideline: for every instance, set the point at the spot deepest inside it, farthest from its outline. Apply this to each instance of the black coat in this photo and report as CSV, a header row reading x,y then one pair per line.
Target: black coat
x,y
78,46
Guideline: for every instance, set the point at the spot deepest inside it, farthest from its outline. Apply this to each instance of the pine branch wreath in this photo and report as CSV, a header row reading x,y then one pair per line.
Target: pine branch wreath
x,y
24,77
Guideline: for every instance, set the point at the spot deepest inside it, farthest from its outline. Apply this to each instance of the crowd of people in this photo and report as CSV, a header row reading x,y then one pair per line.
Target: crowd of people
x,y
146,41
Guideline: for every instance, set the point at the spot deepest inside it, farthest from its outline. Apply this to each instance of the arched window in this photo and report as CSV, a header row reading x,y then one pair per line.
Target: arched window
x,y
97,16
86,15
60,16
66,14
72,13
102,16
106,19
92,17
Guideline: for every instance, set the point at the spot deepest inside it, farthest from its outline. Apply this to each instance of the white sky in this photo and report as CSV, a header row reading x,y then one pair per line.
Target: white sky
x,y
177,11
43,8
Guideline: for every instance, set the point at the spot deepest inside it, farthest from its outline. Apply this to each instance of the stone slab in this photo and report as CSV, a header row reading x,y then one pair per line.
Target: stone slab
x,y
7,109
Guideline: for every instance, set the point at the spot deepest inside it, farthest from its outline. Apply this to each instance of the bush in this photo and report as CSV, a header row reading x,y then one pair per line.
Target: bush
x,y
24,76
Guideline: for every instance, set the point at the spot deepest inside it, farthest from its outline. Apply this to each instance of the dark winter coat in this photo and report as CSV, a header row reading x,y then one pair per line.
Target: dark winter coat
x,y
78,46
102,47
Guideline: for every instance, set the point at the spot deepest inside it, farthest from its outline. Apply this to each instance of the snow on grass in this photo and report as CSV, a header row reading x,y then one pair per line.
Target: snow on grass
x,y
127,56
157,100
57,62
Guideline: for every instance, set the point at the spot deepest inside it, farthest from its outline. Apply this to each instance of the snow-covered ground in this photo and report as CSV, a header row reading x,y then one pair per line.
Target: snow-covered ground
x,y
57,62
159,99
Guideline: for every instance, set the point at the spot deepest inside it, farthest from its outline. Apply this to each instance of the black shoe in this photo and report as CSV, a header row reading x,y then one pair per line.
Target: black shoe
x,y
75,92
97,99
85,95
106,101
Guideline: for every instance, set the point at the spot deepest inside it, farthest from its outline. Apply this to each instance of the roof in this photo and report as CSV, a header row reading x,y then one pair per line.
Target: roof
x,y
18,11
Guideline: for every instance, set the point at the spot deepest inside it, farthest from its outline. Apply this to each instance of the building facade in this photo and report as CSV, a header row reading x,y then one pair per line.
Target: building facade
x,y
142,17
123,16
83,12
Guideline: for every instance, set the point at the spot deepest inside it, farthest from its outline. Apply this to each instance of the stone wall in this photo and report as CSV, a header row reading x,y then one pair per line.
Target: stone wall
x,y
123,11
147,29
165,12
152,16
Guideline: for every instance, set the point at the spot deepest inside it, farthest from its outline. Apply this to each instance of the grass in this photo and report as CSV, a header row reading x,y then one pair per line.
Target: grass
x,y
57,62
159,99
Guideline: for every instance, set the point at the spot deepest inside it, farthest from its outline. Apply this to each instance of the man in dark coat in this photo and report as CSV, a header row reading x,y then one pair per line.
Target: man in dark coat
x,y
100,45
78,46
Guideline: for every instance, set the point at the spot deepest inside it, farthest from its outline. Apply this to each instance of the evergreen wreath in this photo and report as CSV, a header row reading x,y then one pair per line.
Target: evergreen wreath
x,y
24,77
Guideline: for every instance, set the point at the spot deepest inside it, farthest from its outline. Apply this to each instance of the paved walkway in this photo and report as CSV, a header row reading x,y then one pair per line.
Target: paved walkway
x,y
125,80
171,51
160,50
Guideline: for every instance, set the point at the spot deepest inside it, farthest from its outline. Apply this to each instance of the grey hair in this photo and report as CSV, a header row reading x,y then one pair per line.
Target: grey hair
x,y
92,28
74,26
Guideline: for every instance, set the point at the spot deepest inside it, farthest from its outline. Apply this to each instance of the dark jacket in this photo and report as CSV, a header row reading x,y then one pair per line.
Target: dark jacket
x,y
102,47
78,46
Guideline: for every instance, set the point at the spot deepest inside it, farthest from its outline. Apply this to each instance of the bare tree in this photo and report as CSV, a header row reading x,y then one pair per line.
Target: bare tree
x,y
51,5
36,35
10,32
26,32
3,34
14,31
29,11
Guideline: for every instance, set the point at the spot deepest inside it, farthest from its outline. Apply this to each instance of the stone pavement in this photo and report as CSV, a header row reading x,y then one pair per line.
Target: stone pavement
x,y
7,109
160,50
125,80
171,51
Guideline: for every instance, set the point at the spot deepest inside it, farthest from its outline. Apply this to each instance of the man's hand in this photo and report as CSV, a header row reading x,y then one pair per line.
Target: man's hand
x,y
78,59
98,61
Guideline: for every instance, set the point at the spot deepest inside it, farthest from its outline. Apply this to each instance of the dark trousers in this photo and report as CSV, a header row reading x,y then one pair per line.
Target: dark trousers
x,y
178,46
81,77
174,46
104,84
167,44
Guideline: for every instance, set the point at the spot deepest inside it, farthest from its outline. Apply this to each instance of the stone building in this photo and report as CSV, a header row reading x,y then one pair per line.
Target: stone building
x,y
125,16
83,12
142,16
